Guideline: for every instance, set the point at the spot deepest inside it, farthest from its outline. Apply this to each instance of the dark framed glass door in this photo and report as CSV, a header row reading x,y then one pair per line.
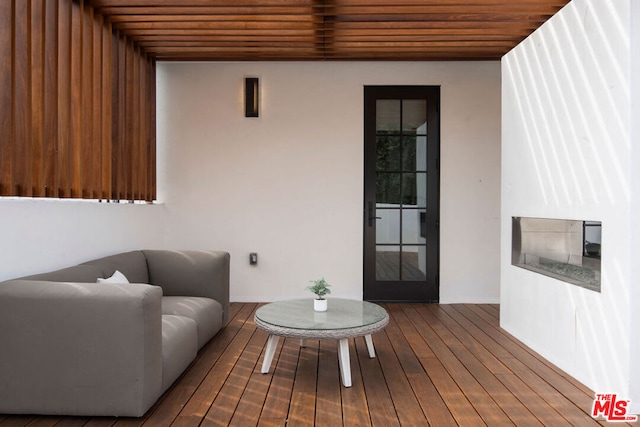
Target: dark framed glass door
x,y
402,193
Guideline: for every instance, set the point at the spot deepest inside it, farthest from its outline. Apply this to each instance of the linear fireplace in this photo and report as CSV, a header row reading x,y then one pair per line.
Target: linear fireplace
x,y
567,250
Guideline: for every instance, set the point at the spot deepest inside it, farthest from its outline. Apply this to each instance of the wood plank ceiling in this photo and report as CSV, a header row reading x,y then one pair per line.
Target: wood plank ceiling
x,y
252,30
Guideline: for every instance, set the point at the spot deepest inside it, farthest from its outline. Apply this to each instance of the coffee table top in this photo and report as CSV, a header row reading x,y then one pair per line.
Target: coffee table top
x,y
344,318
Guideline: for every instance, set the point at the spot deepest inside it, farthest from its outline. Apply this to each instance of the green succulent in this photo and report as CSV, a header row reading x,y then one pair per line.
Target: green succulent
x,y
320,288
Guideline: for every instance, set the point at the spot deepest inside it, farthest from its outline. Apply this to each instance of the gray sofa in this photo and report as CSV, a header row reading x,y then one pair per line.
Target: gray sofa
x,y
71,346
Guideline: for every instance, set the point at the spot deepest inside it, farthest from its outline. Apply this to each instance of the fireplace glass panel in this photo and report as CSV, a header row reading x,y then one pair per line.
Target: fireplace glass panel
x,y
567,250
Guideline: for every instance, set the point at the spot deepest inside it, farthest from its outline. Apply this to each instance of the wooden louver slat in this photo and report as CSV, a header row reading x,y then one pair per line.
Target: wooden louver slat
x,y
315,29
57,133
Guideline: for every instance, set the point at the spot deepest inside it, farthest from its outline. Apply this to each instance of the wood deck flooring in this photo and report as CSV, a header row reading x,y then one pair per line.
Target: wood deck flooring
x,y
390,265
440,365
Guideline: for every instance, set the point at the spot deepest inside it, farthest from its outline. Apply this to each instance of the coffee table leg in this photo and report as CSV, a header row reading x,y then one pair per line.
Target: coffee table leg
x,y
272,344
369,341
345,364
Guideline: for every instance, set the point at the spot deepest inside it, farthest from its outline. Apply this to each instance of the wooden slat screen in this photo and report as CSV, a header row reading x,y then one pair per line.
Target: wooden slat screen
x,y
306,30
77,105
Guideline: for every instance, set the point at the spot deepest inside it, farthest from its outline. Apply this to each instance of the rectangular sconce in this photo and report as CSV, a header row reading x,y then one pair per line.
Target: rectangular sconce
x,y
251,96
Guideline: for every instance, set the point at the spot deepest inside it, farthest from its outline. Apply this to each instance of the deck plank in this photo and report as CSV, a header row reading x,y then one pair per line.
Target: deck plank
x,y
560,394
176,398
481,365
197,407
381,408
442,365
405,401
252,400
456,401
328,400
481,400
355,408
224,406
276,406
302,410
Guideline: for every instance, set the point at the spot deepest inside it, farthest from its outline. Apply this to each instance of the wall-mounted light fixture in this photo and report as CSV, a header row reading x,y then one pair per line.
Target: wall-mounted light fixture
x,y
251,96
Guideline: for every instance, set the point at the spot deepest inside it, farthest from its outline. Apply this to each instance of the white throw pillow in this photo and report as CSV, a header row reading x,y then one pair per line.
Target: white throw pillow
x,y
117,277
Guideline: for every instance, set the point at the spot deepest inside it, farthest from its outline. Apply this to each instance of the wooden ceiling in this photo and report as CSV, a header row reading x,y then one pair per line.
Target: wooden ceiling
x,y
252,30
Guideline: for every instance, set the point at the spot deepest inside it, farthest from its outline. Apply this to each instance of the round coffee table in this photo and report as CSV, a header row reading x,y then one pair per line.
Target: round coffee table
x,y
343,319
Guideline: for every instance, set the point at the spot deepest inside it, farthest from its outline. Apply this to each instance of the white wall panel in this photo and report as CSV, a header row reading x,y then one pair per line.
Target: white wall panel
x,y
567,154
289,184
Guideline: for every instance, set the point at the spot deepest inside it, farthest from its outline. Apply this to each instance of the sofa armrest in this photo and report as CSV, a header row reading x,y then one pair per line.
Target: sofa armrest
x,y
79,348
191,273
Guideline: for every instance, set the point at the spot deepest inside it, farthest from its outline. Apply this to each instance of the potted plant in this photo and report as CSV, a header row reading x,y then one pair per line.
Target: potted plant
x,y
320,288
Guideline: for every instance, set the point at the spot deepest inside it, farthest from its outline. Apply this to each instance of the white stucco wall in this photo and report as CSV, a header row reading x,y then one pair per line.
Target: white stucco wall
x,y
289,184
567,153
38,235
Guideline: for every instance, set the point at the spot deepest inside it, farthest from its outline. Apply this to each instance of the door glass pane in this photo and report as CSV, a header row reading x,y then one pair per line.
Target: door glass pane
x,y
387,115
414,116
388,263
413,226
413,263
387,153
414,189
388,188
387,226
414,153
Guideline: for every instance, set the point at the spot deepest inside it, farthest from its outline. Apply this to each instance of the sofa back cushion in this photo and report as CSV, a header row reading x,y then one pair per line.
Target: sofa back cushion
x,y
193,273
78,273
132,264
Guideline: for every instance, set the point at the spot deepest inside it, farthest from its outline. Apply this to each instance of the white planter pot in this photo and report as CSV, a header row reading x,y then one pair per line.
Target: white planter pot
x,y
320,304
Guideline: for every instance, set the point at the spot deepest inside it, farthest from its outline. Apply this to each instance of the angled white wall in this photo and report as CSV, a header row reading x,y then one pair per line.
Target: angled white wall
x,y
289,184
569,151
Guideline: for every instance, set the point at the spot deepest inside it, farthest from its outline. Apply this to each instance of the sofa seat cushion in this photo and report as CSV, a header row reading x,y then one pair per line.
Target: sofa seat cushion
x,y
179,347
206,312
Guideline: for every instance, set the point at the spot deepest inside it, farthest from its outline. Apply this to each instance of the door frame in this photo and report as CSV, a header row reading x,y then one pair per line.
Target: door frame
x,y
405,291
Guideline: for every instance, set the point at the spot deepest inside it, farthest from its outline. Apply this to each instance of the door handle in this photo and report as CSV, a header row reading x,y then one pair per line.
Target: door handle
x,y
371,214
